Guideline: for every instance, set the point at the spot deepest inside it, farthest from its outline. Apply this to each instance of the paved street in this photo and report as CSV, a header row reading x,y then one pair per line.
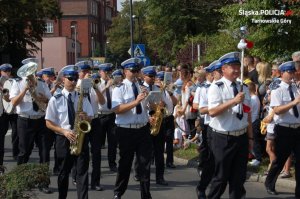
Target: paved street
x,y
182,182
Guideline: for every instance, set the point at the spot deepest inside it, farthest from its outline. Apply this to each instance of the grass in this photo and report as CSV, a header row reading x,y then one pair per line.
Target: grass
x,y
187,154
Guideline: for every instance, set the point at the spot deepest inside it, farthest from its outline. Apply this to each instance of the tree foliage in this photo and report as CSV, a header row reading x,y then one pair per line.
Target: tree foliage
x,y
271,40
22,23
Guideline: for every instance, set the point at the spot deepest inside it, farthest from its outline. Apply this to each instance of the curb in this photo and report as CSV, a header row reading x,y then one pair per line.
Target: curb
x,y
252,177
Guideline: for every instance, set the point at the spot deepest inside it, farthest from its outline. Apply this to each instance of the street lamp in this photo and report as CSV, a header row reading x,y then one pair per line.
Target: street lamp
x,y
75,35
105,50
131,30
92,46
139,26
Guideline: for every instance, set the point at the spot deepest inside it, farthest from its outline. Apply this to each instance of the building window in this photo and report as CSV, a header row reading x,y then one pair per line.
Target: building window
x,y
49,27
94,8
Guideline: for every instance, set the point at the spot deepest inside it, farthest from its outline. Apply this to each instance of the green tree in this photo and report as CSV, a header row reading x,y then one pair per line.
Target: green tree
x,y
119,33
22,23
271,40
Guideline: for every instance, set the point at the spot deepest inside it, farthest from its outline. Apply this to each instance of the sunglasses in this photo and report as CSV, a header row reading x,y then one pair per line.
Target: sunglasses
x,y
151,76
72,79
6,70
134,71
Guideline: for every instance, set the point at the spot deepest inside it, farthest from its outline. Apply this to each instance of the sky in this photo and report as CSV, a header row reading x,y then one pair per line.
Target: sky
x,y
119,4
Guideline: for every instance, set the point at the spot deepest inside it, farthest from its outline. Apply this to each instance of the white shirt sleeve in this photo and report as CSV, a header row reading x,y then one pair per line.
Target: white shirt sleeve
x,y
117,98
14,90
51,111
214,96
197,96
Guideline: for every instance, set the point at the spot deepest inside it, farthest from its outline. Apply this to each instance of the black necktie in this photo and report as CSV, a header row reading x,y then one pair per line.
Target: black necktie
x,y
295,110
150,87
135,91
71,111
35,106
235,92
108,98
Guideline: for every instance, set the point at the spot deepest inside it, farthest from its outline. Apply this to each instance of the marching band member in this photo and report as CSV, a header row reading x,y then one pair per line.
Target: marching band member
x,y
168,121
285,101
107,116
30,96
9,114
206,161
133,132
60,118
48,76
230,130
95,97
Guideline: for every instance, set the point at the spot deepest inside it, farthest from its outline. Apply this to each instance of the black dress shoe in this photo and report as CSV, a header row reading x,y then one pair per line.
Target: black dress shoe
x,y
272,191
97,188
137,178
45,190
162,182
116,197
171,165
200,194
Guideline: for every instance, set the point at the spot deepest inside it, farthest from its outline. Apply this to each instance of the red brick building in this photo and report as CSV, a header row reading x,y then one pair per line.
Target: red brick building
x,y
90,19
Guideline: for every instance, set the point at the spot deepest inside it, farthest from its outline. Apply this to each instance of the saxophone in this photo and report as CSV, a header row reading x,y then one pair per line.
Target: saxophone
x,y
81,127
158,116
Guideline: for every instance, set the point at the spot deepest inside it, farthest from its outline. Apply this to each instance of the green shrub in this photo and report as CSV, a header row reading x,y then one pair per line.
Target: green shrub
x,y
22,178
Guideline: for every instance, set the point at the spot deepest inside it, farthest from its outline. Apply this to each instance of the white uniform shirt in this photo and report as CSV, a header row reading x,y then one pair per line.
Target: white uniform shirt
x,y
102,89
25,107
255,108
57,110
204,102
281,96
227,121
8,107
123,94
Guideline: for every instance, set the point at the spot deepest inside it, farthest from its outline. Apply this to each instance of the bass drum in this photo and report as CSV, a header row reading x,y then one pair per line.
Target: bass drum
x,y
8,107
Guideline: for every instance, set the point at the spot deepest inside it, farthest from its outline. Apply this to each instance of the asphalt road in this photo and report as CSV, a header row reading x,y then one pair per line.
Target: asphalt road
x,y
182,182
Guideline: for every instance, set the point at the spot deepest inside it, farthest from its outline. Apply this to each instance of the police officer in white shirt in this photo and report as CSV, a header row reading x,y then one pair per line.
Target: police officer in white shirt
x,y
285,101
9,114
31,123
230,129
168,120
107,116
206,160
30,97
60,117
133,130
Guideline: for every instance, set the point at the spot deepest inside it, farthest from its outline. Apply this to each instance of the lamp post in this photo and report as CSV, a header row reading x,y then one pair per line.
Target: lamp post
x,y
139,27
105,50
75,35
131,30
92,46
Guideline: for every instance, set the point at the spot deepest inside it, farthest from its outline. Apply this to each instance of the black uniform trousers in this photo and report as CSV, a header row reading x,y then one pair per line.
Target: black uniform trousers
x,y
107,127
94,140
158,142
231,156
170,128
67,160
11,119
30,130
206,166
134,141
287,140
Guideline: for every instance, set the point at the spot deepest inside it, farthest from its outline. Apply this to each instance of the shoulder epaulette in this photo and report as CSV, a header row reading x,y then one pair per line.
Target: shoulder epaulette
x,y
206,85
18,79
275,84
245,84
219,84
58,95
119,85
